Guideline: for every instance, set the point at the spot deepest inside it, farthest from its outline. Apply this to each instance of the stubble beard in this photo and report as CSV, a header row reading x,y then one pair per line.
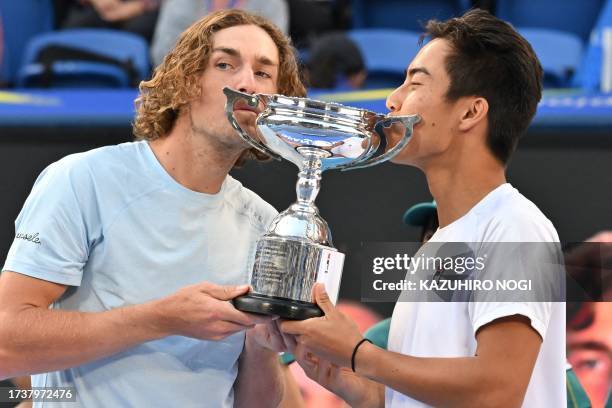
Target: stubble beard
x,y
223,139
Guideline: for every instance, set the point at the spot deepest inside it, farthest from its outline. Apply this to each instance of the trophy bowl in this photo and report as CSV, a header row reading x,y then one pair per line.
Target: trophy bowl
x,y
297,249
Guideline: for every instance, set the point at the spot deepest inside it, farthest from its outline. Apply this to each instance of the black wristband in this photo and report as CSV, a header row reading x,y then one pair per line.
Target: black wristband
x,y
355,351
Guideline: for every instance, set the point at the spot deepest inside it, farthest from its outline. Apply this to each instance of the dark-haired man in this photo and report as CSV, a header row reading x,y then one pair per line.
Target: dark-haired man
x,y
476,86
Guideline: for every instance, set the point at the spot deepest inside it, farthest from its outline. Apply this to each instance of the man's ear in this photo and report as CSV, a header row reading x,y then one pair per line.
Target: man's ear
x,y
475,112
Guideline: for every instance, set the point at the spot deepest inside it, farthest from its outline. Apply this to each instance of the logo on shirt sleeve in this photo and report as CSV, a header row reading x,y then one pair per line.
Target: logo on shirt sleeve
x,y
28,237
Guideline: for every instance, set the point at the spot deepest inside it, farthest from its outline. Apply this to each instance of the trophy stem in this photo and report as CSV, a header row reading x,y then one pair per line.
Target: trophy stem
x,y
309,179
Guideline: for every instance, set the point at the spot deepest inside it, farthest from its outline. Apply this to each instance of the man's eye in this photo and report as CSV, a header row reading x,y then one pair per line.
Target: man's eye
x,y
415,83
263,74
589,364
223,65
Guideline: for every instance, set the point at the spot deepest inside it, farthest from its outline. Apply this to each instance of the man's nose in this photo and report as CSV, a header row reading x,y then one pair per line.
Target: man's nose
x,y
246,81
393,101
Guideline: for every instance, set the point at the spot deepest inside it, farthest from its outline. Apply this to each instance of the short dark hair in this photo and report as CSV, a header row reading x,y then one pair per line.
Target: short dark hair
x,y
490,59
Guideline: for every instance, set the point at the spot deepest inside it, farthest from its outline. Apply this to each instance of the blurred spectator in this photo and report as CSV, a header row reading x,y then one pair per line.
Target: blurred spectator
x,y
590,353
589,336
589,75
134,16
323,16
425,216
335,62
176,15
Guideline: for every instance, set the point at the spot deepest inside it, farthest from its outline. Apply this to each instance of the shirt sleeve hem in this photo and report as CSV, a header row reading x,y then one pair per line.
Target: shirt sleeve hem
x,y
509,310
35,271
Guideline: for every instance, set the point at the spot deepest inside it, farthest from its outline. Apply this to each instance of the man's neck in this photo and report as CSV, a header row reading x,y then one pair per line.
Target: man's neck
x,y
459,187
193,160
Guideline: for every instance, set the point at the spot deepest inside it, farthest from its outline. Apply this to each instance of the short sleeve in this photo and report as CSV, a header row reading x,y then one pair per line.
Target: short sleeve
x,y
526,275
538,313
51,232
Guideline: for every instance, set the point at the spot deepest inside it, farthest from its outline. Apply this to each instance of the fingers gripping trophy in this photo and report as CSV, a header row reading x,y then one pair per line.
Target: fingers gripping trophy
x,y
297,250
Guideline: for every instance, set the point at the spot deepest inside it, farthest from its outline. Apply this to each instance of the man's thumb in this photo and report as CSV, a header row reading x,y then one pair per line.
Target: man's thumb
x,y
322,298
227,292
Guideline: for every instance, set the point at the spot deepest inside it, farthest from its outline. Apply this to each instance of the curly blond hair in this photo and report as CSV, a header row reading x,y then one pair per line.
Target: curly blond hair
x,y
175,81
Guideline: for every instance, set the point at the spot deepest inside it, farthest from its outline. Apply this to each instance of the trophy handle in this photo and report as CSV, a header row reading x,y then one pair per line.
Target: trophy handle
x,y
252,100
408,120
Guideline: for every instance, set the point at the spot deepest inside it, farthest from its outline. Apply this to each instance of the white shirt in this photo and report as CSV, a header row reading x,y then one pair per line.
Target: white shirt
x,y
447,329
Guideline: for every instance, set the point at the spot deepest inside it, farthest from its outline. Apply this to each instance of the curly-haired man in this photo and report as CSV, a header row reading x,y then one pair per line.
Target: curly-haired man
x,y
125,257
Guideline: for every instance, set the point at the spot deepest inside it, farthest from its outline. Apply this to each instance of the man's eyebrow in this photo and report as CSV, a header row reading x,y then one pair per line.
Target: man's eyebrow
x,y
590,345
416,70
231,51
263,60
266,61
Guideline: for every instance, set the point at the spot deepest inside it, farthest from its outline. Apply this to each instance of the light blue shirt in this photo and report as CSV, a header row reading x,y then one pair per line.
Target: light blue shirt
x,y
116,228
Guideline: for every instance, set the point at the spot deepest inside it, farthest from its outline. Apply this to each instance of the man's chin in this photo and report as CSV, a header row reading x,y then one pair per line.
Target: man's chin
x,y
400,161
236,141
403,158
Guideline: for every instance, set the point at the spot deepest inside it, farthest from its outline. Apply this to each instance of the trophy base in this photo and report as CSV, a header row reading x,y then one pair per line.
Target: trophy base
x,y
285,308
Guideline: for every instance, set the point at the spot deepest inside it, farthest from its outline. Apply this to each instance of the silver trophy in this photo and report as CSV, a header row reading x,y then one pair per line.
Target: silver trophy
x,y
297,250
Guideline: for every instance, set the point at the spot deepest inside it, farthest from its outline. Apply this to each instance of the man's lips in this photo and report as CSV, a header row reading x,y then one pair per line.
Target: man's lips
x,y
246,111
243,106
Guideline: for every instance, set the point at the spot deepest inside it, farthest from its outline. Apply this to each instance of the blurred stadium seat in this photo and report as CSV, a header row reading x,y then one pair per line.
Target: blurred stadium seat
x,y
575,16
386,53
559,52
84,58
403,14
21,20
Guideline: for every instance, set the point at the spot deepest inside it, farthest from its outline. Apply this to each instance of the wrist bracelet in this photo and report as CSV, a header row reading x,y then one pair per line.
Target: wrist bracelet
x,y
355,351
